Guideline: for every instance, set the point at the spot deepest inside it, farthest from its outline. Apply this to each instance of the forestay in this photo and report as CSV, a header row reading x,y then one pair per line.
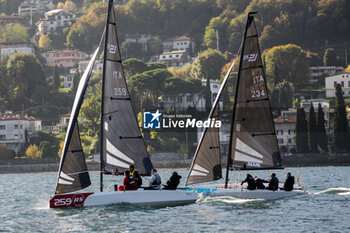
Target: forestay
x,y
254,142
73,174
122,142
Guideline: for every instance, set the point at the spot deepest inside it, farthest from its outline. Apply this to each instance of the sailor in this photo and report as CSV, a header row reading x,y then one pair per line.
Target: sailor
x,y
135,175
288,185
128,182
259,183
273,183
173,182
155,181
251,182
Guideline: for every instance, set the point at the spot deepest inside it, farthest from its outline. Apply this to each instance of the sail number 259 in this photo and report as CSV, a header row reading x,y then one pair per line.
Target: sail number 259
x,y
120,91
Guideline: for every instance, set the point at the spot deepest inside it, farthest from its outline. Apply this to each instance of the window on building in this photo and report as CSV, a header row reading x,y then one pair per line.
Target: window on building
x,y
177,55
16,126
280,141
335,84
170,56
2,137
215,86
179,99
2,127
290,140
189,98
348,83
342,83
16,136
21,136
21,126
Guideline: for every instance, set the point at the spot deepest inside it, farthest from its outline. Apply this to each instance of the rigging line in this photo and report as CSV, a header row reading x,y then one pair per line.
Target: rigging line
x,y
109,113
74,173
113,98
263,134
252,67
136,137
119,61
254,100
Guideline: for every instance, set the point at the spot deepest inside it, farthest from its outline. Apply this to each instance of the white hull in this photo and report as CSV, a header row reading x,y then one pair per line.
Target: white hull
x,y
240,191
144,198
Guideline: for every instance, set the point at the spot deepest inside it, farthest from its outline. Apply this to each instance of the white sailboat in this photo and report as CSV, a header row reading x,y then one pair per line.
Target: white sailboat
x,y
253,142
121,141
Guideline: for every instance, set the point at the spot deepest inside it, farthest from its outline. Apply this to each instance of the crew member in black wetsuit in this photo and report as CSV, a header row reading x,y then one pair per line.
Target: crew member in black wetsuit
x,y
259,183
288,185
251,182
173,182
273,183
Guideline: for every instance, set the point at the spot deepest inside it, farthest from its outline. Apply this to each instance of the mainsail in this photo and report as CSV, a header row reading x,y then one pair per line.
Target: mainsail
x,y
73,174
253,142
122,142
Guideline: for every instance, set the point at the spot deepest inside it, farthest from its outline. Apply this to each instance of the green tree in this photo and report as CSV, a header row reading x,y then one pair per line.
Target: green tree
x,y
288,62
340,121
301,132
312,130
27,84
174,86
132,49
133,66
321,129
208,65
13,32
56,78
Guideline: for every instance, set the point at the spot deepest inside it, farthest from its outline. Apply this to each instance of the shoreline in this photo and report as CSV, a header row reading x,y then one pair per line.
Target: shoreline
x,y
51,165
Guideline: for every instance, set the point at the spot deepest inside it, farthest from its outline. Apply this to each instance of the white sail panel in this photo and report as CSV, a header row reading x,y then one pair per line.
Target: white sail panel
x,y
247,149
114,151
62,181
196,173
199,168
245,158
116,162
65,176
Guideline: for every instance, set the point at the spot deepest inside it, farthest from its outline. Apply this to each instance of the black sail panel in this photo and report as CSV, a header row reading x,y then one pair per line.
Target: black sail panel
x,y
206,165
72,173
122,140
254,143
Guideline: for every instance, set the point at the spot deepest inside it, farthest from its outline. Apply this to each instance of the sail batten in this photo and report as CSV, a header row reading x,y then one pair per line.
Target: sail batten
x,y
118,117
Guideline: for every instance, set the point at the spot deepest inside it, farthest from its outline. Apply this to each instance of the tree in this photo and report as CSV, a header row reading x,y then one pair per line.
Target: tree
x,y
13,32
340,121
56,78
27,84
301,132
287,62
134,66
132,49
312,130
208,65
33,152
330,57
45,42
59,153
174,86
321,129
76,80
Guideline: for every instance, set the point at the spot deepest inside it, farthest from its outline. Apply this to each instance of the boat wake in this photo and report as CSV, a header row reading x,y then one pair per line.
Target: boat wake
x,y
340,191
225,199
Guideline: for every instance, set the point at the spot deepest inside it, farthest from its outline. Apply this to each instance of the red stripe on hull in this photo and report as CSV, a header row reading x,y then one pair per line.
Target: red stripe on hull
x,y
69,200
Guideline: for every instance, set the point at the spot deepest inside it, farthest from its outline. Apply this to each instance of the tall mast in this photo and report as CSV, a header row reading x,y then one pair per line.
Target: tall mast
x,y
110,5
229,159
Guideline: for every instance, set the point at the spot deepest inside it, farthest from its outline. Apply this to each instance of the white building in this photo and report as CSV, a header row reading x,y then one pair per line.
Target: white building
x,y
54,19
175,58
331,82
98,66
285,132
7,49
35,7
183,101
13,127
177,43
318,71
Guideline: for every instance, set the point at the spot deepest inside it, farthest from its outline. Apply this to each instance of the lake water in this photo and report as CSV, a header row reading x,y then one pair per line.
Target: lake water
x,y
24,208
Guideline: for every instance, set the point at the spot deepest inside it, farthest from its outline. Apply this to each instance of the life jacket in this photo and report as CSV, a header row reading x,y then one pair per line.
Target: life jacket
x,y
136,178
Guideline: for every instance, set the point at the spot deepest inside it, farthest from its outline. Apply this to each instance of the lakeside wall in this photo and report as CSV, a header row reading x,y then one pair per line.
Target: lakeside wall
x,y
51,165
